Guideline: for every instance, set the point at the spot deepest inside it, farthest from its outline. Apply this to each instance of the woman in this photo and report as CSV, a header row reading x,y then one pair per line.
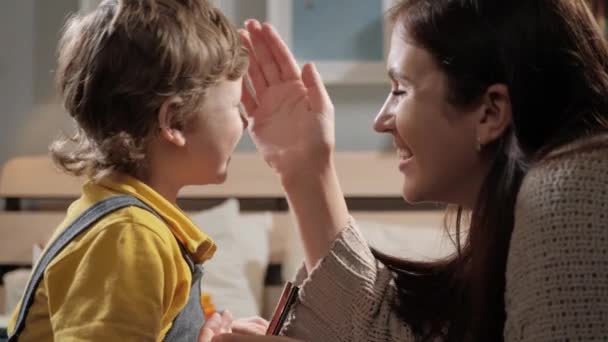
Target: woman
x,y
499,108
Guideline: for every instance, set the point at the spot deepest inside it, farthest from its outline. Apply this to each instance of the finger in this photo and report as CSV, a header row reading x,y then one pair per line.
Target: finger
x,y
213,323
226,322
285,59
269,66
206,335
251,326
256,75
319,99
253,319
248,338
210,328
248,329
260,320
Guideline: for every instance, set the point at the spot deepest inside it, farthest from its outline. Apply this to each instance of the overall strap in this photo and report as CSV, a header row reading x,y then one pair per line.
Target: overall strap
x,y
81,224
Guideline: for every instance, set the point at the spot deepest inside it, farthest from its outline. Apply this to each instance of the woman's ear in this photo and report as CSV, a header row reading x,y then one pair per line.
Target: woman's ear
x,y
497,114
167,118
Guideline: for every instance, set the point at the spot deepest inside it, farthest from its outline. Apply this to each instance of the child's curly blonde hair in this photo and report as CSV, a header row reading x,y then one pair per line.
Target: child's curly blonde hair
x,y
118,64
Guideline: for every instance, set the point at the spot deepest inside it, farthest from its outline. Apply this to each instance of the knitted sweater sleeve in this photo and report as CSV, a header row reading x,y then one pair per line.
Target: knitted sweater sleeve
x,y
348,296
557,270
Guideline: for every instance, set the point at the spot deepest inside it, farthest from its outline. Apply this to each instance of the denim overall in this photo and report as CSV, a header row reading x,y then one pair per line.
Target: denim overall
x,y
188,322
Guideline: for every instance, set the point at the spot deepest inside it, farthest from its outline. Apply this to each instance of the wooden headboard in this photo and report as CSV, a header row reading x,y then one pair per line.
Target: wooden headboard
x,y
36,195
362,175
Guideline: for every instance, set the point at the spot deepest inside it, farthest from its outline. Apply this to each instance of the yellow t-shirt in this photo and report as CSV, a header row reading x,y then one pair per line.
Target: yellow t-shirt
x,y
124,279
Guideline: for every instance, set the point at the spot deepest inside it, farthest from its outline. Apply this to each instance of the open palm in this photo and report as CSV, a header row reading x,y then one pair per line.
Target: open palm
x,y
291,115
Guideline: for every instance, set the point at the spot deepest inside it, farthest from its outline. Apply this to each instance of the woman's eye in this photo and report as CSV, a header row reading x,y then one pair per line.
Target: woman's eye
x,y
398,92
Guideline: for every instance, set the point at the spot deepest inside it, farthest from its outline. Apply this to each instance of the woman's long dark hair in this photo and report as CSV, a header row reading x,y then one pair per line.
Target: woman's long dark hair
x,y
554,61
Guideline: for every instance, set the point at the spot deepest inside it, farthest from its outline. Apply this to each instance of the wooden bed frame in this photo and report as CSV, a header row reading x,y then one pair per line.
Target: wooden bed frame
x,y
36,195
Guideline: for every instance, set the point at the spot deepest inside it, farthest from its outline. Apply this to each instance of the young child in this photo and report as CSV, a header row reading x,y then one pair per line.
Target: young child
x,y
154,87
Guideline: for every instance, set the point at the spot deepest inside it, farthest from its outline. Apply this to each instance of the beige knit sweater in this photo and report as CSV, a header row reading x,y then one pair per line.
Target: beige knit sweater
x,y
556,280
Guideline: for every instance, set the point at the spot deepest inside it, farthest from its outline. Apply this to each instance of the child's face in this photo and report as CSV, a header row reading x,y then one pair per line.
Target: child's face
x,y
214,133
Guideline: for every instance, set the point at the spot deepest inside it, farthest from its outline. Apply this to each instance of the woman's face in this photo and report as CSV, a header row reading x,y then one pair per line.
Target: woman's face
x,y
436,141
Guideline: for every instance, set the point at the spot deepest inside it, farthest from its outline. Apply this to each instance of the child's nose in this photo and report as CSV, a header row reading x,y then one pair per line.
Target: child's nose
x,y
243,117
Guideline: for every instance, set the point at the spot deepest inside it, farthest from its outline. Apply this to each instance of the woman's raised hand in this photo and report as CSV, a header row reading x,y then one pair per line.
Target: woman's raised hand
x,y
291,115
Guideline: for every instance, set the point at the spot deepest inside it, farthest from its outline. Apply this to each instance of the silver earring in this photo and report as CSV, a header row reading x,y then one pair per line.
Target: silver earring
x,y
479,145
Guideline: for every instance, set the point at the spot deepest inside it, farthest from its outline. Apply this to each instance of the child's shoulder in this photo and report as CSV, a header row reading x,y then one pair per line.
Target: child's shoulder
x,y
120,234
134,220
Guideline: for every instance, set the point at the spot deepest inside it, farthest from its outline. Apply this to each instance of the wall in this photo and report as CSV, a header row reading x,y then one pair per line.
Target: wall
x,y
31,115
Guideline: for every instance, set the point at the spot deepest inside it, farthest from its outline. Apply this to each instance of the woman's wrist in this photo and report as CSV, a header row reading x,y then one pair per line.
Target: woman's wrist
x,y
317,201
301,168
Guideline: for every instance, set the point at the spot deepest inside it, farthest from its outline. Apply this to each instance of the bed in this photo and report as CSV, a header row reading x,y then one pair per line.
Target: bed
x,y
248,214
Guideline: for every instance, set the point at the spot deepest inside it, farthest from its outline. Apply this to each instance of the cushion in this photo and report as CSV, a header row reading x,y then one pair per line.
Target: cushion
x,y
411,240
234,277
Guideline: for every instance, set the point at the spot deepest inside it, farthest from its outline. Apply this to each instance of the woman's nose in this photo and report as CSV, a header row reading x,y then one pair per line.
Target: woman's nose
x,y
385,121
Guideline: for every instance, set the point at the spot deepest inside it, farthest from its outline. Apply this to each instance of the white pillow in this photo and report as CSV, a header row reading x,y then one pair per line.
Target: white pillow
x,y
253,233
15,283
410,241
234,277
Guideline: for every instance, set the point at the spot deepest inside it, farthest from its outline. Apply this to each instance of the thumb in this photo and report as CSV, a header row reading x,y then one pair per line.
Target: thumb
x,y
248,338
210,328
319,99
214,323
206,335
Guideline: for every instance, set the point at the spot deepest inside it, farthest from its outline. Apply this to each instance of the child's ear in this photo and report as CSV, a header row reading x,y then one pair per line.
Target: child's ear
x,y
166,122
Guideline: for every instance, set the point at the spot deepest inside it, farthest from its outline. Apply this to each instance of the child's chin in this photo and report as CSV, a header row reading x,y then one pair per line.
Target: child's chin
x,y
208,178
213,175
221,177
410,194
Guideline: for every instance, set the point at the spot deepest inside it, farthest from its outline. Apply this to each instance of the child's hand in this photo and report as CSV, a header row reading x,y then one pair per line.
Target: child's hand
x,y
216,325
224,323
250,326
292,117
246,338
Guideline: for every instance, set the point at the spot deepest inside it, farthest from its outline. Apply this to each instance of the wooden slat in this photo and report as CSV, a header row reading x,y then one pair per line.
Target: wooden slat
x,y
21,230
281,223
2,301
4,321
369,175
36,177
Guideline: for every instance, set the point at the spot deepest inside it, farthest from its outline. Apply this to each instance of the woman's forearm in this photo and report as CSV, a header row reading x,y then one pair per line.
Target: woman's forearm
x,y
317,201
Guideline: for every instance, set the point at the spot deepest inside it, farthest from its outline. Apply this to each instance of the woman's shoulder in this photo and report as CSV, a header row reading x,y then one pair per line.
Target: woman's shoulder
x,y
574,170
558,244
568,188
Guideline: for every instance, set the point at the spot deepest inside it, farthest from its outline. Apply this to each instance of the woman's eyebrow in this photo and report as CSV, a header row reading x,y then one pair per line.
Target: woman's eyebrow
x,y
395,74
